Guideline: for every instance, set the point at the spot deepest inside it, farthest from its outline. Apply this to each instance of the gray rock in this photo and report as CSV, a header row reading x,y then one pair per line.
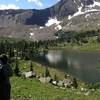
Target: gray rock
x,y
68,82
54,82
29,74
45,79
60,83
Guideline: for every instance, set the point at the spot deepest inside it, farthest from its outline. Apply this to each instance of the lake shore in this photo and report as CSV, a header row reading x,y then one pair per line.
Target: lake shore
x,y
76,47
32,89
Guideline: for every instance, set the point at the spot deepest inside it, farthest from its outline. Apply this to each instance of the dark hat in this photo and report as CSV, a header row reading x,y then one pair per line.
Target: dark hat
x,y
4,58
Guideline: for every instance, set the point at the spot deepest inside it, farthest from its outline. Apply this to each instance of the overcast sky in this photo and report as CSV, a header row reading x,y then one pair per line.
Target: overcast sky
x,y
26,4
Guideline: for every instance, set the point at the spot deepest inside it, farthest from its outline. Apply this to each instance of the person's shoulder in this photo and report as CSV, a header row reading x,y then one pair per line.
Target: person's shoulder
x,y
6,64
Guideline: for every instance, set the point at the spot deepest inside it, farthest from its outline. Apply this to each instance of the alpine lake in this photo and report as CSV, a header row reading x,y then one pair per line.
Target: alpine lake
x,y
84,65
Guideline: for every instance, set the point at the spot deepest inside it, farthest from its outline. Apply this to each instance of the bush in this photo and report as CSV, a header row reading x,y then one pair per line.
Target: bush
x,y
55,78
75,83
93,85
31,66
46,73
16,70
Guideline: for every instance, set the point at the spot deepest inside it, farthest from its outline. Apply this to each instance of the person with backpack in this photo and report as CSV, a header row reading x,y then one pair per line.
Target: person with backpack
x,y
5,74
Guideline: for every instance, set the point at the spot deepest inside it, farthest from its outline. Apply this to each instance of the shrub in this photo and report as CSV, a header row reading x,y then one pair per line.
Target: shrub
x,y
46,73
31,66
16,70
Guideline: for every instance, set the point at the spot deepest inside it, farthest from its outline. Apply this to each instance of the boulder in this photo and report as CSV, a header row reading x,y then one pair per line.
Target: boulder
x,y
83,89
60,83
68,82
54,82
29,74
45,79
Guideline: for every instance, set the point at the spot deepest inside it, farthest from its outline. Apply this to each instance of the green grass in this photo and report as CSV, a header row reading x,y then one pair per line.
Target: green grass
x,y
32,89
91,46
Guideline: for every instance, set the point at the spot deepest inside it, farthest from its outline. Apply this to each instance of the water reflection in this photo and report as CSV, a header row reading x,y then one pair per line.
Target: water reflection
x,y
54,56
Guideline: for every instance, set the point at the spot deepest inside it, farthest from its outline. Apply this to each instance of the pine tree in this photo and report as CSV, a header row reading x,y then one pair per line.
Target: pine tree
x,y
31,66
75,83
55,78
46,73
65,75
16,70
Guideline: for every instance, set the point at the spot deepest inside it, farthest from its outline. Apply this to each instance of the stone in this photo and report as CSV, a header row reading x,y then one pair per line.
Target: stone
x,y
29,74
45,79
83,89
54,82
87,93
68,82
60,84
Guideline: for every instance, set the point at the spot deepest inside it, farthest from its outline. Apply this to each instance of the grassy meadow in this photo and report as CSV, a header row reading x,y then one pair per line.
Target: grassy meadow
x,y
32,89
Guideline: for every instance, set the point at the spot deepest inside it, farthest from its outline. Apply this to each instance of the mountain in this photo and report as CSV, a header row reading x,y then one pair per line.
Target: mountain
x,y
42,24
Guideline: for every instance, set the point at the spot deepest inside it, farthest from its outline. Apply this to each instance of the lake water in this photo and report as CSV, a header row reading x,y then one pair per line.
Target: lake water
x,y
83,65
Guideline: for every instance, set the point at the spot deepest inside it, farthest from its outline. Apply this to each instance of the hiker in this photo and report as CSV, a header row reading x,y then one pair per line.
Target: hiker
x,y
5,74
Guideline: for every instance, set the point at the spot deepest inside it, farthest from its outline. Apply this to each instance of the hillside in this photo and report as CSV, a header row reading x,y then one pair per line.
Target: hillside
x,y
43,24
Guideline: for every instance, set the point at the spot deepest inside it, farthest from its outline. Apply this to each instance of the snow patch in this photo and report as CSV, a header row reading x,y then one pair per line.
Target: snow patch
x,y
58,27
57,37
52,21
41,27
79,12
89,9
75,2
87,15
31,34
94,4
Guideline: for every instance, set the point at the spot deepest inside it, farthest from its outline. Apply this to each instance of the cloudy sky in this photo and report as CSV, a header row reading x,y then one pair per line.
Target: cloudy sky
x,y
26,4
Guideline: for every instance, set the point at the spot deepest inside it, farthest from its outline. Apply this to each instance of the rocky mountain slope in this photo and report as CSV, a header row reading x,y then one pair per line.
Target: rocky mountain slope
x,y
42,24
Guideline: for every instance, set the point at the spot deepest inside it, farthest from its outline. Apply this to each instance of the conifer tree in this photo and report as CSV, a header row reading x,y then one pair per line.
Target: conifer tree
x,y
31,66
46,73
16,70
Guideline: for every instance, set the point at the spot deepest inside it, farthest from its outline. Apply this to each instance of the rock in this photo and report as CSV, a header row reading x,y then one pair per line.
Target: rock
x,y
92,90
29,74
87,93
83,89
54,82
62,88
60,84
38,76
45,79
68,82
78,93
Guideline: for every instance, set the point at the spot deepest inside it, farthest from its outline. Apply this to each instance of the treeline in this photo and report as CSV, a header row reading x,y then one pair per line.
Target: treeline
x,y
77,37
24,49
30,49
